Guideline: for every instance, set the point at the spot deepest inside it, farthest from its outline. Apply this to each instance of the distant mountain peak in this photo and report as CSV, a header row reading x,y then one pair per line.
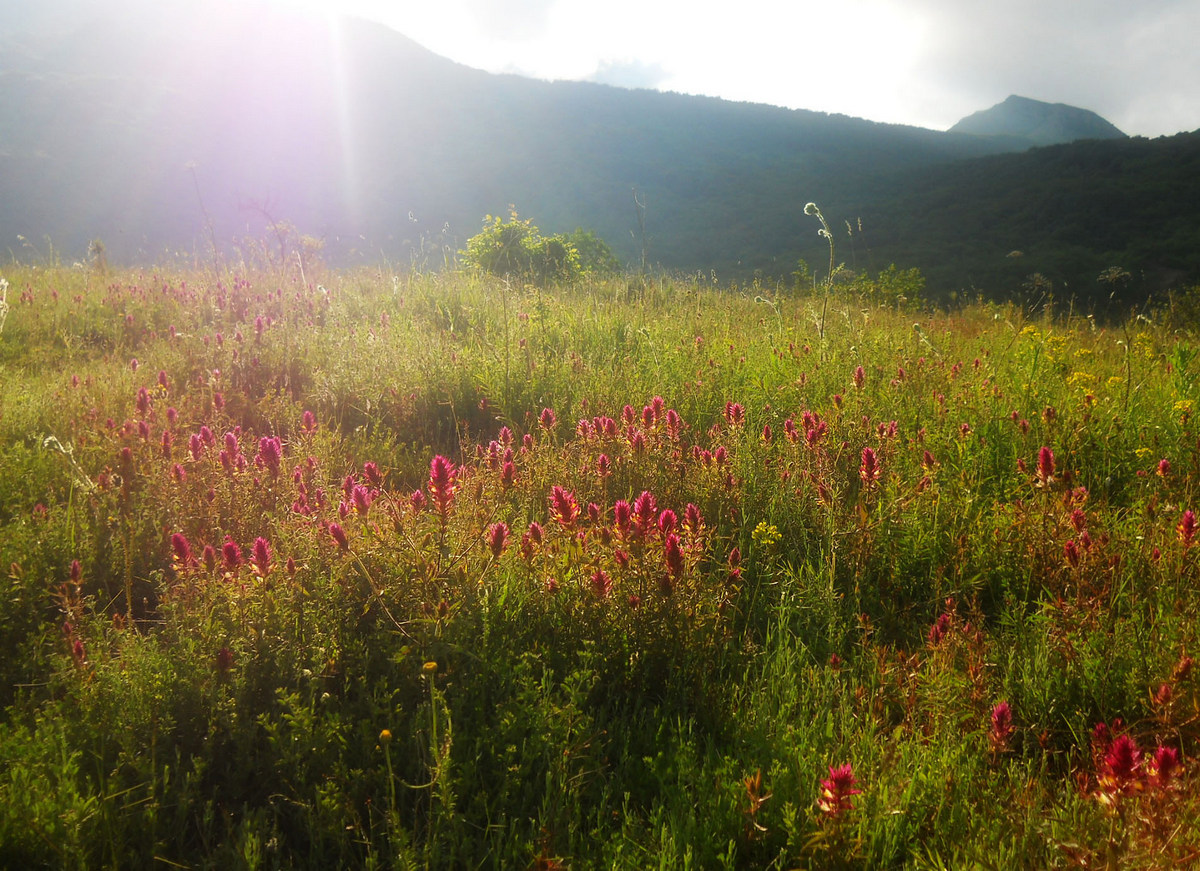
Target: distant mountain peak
x,y
1037,123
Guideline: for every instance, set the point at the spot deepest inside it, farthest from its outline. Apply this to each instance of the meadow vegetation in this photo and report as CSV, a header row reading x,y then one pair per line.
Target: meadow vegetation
x,y
380,570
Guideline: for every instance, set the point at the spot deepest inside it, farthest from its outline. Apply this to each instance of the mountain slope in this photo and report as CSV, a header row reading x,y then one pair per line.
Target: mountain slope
x,y
122,127
159,130
1037,123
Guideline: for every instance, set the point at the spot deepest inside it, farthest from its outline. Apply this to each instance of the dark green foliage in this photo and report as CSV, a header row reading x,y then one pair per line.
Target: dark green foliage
x,y
516,249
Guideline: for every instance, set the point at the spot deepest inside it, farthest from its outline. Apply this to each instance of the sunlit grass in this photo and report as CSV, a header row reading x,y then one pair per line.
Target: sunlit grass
x,y
363,570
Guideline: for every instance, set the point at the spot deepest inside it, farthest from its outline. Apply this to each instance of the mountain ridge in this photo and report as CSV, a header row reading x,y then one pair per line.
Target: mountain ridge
x,y
160,134
1037,122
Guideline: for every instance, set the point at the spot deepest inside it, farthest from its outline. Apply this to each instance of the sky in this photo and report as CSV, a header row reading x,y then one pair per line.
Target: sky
x,y
921,62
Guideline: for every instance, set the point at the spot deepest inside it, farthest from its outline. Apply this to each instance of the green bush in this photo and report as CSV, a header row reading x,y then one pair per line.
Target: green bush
x,y
516,249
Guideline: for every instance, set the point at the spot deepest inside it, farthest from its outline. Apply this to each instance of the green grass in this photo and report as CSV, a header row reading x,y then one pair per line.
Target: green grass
x,y
667,693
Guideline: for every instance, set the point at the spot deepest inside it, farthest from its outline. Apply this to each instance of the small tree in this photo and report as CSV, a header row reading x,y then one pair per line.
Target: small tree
x,y
595,256
516,249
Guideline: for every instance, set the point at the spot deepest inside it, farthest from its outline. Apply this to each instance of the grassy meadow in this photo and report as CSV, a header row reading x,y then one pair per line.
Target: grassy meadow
x,y
376,570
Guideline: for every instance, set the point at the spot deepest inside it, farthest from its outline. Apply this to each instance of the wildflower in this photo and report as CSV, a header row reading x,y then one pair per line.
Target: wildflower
x,y
361,497
262,557
1186,529
1162,767
1119,771
1164,468
308,422
928,463
674,424
442,483
371,473
183,551
231,554
196,447
667,521
673,555
269,452
1045,467
837,791
735,414
1002,727
417,501
339,536
563,507
603,468
209,557
622,516
76,572
546,419
497,537
860,377
601,584
1071,552
939,629
869,470
508,474
692,521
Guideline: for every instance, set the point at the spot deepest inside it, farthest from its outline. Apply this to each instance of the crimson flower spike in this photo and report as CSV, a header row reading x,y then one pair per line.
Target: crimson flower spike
x,y
837,791
1045,467
442,484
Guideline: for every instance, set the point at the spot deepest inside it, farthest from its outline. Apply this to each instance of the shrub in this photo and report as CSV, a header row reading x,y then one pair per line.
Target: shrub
x,y
516,249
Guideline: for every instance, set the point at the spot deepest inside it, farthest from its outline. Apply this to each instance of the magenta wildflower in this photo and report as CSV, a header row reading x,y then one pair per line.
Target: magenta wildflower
x,y
497,537
939,629
601,584
339,536
563,507
308,422
262,557
1162,767
196,447
673,555
735,414
547,419
667,521
442,483
1045,467
270,450
869,470
209,557
1186,529
231,555
361,497
860,377
1002,727
417,501
645,510
371,473
622,515
76,572
838,791
183,551
1119,771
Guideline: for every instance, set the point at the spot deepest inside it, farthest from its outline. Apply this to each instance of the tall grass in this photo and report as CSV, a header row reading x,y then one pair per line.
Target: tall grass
x,y
363,570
